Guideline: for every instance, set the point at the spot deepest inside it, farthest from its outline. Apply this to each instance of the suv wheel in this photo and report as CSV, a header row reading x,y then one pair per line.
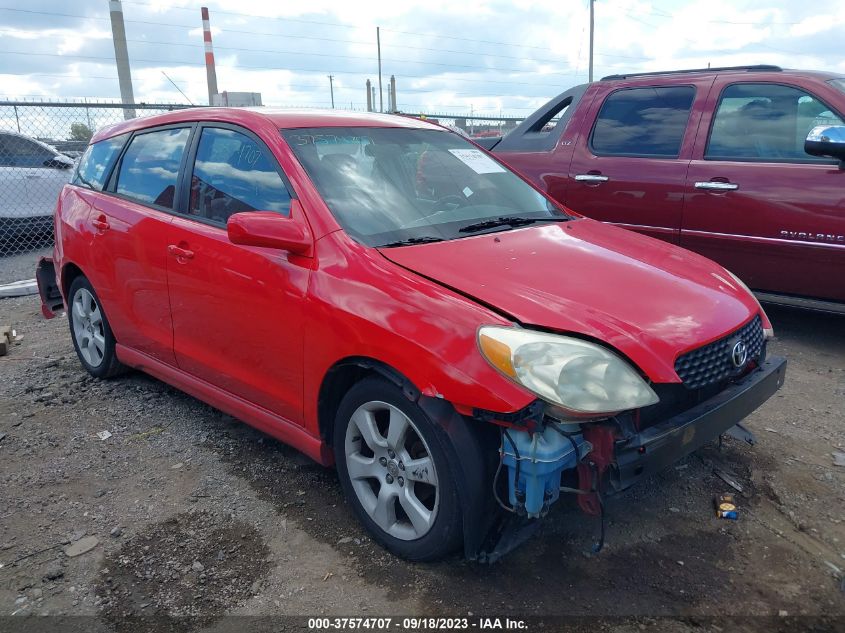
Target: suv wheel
x,y
394,472
90,331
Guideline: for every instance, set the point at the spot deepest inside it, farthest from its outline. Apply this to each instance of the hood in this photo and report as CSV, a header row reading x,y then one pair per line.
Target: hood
x,y
648,299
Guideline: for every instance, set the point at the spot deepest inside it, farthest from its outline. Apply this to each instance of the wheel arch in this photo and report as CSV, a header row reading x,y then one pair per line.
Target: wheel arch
x,y
340,378
70,271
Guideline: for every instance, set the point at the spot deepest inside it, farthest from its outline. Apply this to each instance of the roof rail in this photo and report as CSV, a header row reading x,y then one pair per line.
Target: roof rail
x,y
758,67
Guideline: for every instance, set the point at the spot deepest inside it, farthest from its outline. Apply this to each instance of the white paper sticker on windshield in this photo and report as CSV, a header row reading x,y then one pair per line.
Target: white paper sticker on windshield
x,y
477,161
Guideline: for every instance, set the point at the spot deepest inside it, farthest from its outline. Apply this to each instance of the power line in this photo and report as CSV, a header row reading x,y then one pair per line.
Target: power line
x,y
253,67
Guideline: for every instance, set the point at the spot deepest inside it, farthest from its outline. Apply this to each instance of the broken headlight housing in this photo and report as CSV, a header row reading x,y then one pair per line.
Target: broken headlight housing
x,y
581,378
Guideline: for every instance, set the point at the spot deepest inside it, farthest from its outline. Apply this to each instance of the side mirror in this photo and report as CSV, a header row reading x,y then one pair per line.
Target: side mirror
x,y
828,141
271,230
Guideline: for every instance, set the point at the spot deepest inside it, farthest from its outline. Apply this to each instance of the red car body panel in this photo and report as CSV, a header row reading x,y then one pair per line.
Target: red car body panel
x,y
782,231
557,277
255,331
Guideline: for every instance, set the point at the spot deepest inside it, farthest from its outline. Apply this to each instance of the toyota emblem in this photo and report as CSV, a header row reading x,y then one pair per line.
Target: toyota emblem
x,y
739,354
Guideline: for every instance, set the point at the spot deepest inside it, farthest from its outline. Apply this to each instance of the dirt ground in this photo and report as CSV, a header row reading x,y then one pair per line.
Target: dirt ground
x,y
184,511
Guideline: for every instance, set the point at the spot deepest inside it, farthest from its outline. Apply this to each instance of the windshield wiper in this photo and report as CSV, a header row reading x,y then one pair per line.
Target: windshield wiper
x,y
508,220
425,239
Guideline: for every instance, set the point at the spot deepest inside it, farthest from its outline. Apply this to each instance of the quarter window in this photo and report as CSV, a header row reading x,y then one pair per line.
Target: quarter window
x,y
150,167
648,122
234,173
97,161
766,123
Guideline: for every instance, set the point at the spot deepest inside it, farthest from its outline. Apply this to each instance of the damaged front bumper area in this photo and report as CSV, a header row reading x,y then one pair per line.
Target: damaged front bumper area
x,y
652,449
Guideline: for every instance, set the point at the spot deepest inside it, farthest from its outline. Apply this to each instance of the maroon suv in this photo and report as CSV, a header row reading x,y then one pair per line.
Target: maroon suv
x,y
743,165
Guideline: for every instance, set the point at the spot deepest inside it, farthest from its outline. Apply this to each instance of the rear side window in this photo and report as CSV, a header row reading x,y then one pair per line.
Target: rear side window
x,y
234,173
150,166
766,123
648,122
97,161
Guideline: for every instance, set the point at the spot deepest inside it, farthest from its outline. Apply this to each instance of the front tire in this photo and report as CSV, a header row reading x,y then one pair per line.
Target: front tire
x,y
89,329
394,471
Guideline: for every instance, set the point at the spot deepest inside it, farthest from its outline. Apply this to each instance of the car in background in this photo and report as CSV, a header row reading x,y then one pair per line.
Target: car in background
x,y
32,174
743,165
384,296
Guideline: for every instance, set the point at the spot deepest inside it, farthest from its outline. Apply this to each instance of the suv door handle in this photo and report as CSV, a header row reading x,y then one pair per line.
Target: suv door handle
x,y
179,253
591,178
715,185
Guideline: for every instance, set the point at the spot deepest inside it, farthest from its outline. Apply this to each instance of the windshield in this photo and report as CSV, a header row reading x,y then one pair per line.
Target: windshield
x,y
388,186
838,83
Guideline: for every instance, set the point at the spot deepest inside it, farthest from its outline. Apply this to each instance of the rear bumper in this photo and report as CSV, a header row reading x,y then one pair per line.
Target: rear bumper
x,y
664,443
48,288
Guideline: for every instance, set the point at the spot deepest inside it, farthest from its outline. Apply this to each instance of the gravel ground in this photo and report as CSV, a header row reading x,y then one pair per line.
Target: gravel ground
x,y
183,511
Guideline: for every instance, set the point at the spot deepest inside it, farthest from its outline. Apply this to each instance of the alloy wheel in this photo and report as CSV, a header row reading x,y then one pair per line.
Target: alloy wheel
x,y
88,327
392,471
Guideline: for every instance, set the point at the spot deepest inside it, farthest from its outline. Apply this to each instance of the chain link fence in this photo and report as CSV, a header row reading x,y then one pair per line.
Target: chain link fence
x,y
41,142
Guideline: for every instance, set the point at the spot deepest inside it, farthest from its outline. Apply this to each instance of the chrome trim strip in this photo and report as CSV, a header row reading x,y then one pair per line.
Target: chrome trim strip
x,y
800,302
757,238
660,229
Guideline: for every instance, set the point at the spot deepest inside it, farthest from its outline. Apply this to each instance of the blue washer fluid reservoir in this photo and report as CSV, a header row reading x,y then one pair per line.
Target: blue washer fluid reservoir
x,y
535,484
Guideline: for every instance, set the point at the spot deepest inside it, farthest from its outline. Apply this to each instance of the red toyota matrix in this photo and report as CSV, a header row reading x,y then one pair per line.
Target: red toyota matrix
x,y
386,297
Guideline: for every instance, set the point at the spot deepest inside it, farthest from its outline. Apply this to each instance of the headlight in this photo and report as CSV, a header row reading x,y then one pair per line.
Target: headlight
x,y
767,332
578,376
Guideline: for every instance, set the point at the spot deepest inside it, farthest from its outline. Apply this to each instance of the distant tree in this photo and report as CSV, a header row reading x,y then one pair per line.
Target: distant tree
x,y
80,132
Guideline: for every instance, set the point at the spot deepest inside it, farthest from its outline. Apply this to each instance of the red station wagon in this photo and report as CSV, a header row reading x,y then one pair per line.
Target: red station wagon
x,y
385,296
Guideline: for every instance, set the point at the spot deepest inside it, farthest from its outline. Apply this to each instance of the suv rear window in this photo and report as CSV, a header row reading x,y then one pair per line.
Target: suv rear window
x,y
647,122
97,161
150,167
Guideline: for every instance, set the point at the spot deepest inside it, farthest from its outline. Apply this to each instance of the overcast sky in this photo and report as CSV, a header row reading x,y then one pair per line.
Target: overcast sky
x,y
447,56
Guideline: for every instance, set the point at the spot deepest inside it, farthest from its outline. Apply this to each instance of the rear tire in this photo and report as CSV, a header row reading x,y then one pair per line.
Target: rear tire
x,y
394,472
90,331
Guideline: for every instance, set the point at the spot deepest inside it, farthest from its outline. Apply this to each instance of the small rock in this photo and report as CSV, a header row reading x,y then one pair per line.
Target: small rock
x,y
681,563
344,540
81,546
37,593
783,613
116,531
197,566
674,510
177,466
2,435
54,571
839,458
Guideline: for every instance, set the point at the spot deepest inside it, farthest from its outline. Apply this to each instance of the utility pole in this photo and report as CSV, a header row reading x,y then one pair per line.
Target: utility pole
x,y
592,31
331,88
121,57
380,94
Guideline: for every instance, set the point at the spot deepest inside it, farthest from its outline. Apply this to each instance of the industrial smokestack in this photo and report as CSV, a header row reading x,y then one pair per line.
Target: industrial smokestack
x,y
121,57
392,95
369,96
210,71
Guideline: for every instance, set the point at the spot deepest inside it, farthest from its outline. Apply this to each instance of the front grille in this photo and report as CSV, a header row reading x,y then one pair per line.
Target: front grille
x,y
713,362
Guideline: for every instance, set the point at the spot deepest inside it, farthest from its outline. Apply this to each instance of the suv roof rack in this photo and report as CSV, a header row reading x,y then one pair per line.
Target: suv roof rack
x,y
760,67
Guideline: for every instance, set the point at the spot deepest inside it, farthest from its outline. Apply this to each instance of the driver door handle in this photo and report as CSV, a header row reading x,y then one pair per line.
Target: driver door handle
x,y
591,178
101,224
